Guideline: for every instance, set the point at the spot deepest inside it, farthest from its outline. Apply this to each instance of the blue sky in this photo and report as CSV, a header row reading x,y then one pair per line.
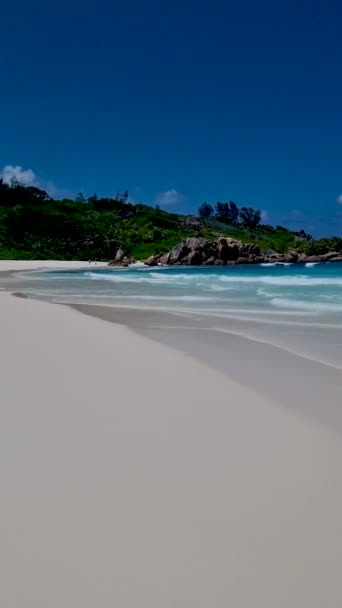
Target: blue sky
x,y
178,102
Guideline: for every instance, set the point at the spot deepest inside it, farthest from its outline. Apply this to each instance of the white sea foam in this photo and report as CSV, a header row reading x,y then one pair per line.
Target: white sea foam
x,y
215,287
264,293
297,280
267,264
311,264
115,277
304,305
204,280
184,276
167,298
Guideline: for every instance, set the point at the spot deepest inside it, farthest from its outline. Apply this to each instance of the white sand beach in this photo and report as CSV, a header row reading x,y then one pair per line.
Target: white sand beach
x,y
14,265
132,475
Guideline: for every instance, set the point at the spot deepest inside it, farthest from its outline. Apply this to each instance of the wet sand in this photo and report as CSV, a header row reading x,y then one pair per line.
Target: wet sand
x,y
293,381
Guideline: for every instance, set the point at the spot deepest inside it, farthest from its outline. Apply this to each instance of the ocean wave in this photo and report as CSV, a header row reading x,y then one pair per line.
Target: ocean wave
x,y
311,264
184,276
289,281
267,264
168,298
115,277
325,296
214,281
122,297
304,305
215,287
266,294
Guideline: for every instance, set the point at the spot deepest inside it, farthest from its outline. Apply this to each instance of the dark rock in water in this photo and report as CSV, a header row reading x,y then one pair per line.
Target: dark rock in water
x,y
177,253
228,252
292,256
254,249
225,250
209,250
151,261
229,249
222,249
244,251
183,261
164,259
329,256
249,249
310,258
271,259
210,261
195,258
233,252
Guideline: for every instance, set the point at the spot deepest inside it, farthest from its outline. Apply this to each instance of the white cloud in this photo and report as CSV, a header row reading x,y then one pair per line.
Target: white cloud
x,y
27,177
264,216
339,200
170,197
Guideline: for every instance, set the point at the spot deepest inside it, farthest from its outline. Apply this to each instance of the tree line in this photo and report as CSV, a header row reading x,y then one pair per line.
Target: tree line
x,y
229,213
35,226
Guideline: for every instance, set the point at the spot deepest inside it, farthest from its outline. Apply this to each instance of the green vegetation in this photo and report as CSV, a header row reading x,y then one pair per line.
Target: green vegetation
x,y
35,226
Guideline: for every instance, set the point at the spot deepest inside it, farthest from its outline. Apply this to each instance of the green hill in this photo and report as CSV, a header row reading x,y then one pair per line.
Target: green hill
x,y
35,226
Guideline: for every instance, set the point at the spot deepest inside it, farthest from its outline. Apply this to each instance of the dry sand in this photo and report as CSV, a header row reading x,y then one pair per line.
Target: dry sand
x,y
133,476
14,265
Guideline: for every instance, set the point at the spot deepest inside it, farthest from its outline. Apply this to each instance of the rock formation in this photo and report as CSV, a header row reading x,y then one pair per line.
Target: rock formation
x,y
195,251
121,260
292,256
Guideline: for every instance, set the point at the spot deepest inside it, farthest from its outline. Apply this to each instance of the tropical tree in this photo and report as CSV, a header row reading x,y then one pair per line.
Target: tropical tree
x,y
234,211
205,211
250,217
227,212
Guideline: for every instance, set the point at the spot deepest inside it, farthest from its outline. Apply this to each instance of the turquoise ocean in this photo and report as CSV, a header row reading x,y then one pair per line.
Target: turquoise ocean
x,y
271,292
297,307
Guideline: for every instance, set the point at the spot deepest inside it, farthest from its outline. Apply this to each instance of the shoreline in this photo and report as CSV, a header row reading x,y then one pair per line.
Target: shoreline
x,y
225,344
125,315
241,358
259,366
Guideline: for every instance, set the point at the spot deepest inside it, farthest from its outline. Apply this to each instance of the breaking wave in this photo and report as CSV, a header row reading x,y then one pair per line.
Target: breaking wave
x,y
272,290
304,305
196,278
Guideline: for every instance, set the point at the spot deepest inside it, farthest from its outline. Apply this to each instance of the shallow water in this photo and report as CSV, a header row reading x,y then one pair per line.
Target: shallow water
x,y
298,307
310,291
